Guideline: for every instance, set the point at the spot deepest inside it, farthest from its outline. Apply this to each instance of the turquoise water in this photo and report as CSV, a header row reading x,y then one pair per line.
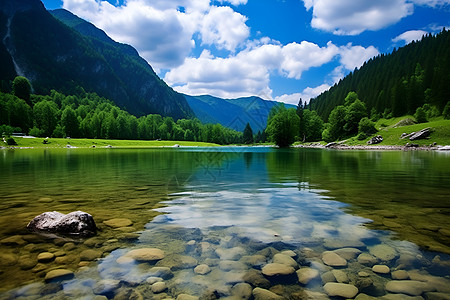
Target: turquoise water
x,y
232,209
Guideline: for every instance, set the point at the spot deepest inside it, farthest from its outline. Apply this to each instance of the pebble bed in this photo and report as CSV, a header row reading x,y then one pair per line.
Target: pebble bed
x,y
167,261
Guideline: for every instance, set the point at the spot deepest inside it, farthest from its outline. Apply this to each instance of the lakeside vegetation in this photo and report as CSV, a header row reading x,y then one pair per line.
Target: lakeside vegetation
x,y
86,115
100,143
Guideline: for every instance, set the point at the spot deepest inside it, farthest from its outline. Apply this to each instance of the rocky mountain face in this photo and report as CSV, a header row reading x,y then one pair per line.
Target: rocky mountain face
x,y
60,51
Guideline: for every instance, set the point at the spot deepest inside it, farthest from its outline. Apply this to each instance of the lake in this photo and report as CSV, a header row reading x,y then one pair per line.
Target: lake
x,y
231,221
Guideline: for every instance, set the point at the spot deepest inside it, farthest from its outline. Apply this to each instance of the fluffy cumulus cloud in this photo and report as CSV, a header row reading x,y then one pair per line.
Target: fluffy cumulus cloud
x,y
409,36
354,56
224,28
160,30
348,17
248,72
305,95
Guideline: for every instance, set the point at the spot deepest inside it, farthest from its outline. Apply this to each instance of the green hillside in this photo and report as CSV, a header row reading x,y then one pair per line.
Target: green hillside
x,y
397,84
78,56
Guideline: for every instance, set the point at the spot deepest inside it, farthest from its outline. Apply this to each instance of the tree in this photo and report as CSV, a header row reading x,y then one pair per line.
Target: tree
x,y
283,125
336,122
248,134
46,116
354,113
313,125
365,128
69,122
21,87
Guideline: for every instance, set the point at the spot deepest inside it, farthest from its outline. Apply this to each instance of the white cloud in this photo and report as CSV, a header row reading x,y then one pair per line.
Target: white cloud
x,y
234,2
432,3
306,95
223,77
248,72
349,17
409,36
223,27
354,56
160,30
301,57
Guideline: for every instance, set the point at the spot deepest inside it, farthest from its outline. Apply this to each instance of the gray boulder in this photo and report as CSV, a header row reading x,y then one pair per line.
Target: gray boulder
x,y
375,140
422,134
76,223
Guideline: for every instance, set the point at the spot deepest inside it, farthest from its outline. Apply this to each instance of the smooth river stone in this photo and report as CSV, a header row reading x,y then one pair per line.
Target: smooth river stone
x,y
59,275
90,254
305,275
341,289
383,252
332,259
263,294
144,254
381,269
242,291
408,287
274,269
118,222
284,259
400,275
202,269
367,259
230,254
15,240
45,257
340,276
348,253
159,287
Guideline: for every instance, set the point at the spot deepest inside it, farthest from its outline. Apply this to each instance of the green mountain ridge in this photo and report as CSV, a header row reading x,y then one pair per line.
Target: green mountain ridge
x,y
398,83
66,53
233,113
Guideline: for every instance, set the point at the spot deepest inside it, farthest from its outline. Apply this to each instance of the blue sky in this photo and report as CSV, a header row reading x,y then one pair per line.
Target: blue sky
x,y
276,49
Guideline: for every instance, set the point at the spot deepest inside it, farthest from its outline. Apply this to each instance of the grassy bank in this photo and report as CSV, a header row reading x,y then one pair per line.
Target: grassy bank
x,y
391,131
88,143
392,134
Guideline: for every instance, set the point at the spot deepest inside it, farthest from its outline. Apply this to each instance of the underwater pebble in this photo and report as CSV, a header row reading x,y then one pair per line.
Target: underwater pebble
x,y
400,275
381,269
305,275
275,269
340,289
263,294
332,259
59,275
202,269
158,287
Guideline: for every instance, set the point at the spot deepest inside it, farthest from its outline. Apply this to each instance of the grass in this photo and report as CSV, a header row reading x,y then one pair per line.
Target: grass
x,y
391,136
88,143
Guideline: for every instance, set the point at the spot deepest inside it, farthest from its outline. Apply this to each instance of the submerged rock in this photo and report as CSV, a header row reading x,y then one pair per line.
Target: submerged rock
x,y
341,289
59,275
263,294
74,223
275,269
333,259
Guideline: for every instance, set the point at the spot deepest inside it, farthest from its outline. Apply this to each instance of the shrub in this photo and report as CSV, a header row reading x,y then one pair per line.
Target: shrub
x,y
366,126
361,136
10,141
36,132
420,115
446,112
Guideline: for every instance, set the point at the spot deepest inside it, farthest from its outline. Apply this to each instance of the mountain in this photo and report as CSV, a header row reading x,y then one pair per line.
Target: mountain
x,y
66,53
232,113
397,83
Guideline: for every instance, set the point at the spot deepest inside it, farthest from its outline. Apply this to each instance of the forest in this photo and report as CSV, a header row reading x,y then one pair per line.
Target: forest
x,y
89,116
396,84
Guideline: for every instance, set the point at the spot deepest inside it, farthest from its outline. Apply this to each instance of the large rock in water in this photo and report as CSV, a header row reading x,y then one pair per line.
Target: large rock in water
x,y
75,223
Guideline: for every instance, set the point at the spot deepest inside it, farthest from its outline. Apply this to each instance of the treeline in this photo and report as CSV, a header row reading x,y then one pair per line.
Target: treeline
x,y
286,126
398,83
86,115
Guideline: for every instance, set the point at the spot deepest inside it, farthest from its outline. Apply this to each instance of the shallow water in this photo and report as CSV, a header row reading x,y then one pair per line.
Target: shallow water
x,y
232,209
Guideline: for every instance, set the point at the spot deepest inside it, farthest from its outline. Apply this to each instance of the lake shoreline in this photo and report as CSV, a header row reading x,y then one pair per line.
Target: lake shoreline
x,y
375,148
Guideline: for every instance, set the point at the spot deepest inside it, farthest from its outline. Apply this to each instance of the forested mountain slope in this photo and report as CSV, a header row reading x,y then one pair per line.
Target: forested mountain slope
x,y
399,82
76,56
